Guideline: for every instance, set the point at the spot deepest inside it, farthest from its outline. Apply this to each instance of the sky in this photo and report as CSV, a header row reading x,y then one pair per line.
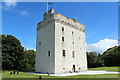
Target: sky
x,y
100,19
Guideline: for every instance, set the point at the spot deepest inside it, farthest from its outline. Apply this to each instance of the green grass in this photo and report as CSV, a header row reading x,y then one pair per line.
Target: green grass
x,y
95,76
27,75
106,68
6,74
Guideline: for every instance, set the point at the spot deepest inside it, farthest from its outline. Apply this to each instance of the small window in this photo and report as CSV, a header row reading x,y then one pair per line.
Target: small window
x,y
39,42
62,38
62,28
73,54
83,30
72,32
73,42
64,53
48,53
48,21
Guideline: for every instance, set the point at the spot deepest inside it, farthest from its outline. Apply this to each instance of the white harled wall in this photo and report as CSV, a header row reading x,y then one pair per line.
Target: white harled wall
x,y
45,63
49,38
78,47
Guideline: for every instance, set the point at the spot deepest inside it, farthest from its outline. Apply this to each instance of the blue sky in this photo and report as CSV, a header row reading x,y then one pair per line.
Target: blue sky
x,y
100,19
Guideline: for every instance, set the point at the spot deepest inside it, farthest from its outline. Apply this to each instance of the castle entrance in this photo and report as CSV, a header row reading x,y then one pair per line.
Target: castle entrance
x,y
74,68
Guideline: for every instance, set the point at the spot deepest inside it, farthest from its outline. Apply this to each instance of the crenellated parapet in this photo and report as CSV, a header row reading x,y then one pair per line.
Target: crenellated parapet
x,y
51,17
69,24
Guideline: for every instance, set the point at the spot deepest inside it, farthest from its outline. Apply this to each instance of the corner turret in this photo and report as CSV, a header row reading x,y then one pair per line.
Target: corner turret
x,y
48,13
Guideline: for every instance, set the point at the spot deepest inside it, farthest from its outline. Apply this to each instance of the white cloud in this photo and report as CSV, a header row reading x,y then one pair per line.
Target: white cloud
x,y
30,49
24,12
102,45
10,4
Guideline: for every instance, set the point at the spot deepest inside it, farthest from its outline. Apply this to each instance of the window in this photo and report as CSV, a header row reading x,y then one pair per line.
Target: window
x,y
79,38
48,53
83,30
64,53
72,32
73,42
73,54
62,38
39,42
48,21
62,28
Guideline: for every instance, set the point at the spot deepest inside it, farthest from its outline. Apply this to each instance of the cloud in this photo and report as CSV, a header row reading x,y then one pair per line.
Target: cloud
x,y
10,4
30,49
24,12
102,45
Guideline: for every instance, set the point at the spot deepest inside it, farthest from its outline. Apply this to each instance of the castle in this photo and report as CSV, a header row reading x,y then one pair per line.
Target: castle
x,y
61,45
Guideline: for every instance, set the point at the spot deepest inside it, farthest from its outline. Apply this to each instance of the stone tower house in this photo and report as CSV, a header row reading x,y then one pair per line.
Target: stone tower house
x,y
61,45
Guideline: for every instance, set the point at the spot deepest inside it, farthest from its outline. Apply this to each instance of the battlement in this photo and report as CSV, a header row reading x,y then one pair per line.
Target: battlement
x,y
48,13
50,16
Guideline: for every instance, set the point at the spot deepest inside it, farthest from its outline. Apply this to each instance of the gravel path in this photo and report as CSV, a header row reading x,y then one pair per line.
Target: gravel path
x,y
86,73
90,72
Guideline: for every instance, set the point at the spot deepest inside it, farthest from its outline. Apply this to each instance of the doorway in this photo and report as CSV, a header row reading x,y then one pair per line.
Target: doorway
x,y
74,68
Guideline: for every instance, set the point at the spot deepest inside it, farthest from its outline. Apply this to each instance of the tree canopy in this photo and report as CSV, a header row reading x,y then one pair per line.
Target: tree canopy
x,y
14,56
111,57
29,60
12,52
94,60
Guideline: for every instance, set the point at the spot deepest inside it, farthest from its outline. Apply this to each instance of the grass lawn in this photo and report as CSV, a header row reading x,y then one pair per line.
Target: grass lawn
x,y
93,77
27,75
106,68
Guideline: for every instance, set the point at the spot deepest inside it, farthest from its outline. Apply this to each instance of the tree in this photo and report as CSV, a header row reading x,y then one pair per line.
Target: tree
x,y
111,56
15,56
12,53
29,60
94,60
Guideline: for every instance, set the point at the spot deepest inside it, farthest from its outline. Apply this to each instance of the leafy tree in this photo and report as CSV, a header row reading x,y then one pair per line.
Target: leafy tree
x,y
29,60
14,56
94,60
111,56
12,53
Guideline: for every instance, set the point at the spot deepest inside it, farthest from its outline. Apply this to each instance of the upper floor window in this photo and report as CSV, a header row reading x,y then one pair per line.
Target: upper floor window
x,y
39,42
62,38
62,28
48,53
73,54
63,53
48,21
84,30
72,32
73,42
